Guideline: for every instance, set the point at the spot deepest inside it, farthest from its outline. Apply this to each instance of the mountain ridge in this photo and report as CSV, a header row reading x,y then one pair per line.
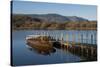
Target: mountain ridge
x,y
54,18
51,22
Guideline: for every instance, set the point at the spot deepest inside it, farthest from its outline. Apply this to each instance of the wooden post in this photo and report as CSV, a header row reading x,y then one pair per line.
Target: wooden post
x,y
86,38
79,40
56,38
67,41
61,37
95,38
46,33
73,37
91,39
82,38
61,44
52,35
73,43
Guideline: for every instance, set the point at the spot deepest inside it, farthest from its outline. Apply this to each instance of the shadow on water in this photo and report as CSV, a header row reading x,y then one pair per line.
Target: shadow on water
x,y
57,45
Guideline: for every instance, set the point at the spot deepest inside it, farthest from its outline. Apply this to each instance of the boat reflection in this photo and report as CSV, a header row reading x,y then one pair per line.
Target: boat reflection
x,y
41,51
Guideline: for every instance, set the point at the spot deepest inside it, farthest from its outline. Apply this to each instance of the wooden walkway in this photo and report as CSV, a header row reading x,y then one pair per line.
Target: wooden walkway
x,y
85,50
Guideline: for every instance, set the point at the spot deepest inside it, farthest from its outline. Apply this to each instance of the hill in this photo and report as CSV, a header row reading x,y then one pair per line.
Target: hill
x,y
51,22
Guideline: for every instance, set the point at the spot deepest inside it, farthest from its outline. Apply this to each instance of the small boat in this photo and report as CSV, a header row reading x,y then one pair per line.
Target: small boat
x,y
32,36
43,44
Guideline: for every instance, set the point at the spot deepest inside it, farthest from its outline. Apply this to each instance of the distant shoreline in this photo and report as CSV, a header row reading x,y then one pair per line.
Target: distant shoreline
x,y
51,30
51,22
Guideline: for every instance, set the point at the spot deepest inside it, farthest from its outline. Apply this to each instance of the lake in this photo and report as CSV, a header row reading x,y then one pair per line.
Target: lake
x,y
22,54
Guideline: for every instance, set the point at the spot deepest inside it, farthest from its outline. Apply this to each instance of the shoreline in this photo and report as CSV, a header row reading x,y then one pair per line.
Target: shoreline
x,y
51,30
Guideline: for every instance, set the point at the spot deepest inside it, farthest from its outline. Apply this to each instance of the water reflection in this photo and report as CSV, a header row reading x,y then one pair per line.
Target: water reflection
x,y
58,54
41,45
42,52
44,45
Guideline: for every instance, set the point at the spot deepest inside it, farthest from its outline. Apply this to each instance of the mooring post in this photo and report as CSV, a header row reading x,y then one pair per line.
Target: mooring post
x,y
57,39
61,39
91,39
95,38
79,41
40,33
67,43
51,36
82,38
46,33
61,44
87,38
73,44
43,33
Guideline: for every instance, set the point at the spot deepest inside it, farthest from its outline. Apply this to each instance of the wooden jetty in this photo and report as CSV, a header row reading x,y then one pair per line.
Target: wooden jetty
x,y
83,49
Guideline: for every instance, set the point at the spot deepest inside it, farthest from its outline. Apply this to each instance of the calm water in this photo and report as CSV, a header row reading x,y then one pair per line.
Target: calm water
x,y
24,55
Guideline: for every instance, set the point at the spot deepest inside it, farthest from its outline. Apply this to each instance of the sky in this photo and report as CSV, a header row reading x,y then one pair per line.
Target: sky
x,y
24,7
